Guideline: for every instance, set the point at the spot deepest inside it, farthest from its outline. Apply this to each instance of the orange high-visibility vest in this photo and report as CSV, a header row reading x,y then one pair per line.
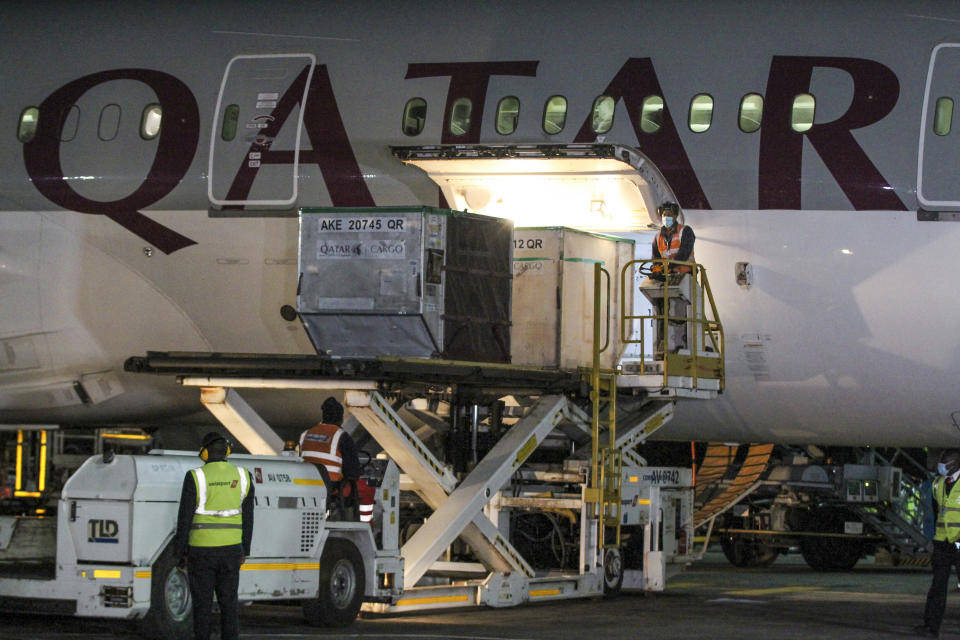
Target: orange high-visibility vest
x,y
321,445
667,252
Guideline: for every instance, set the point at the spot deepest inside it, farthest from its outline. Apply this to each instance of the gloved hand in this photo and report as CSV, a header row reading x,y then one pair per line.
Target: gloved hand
x,y
182,562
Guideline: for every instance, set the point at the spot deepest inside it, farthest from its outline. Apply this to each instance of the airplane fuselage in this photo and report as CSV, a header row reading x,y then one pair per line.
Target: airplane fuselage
x,y
110,245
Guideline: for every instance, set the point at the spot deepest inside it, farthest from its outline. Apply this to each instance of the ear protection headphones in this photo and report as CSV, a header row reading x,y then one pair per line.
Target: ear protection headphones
x,y
205,454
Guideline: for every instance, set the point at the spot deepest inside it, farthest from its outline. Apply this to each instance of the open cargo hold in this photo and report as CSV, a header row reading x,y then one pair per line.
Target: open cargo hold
x,y
407,282
553,296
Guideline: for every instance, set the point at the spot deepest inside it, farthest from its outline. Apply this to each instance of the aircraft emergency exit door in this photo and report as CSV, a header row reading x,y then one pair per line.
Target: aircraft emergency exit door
x,y
259,109
939,156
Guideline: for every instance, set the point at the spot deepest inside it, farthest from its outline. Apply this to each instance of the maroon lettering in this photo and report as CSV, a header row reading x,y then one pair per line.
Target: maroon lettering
x,y
468,80
875,92
635,81
176,146
331,149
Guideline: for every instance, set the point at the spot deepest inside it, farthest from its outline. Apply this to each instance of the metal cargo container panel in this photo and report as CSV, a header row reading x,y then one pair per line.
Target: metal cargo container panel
x,y
412,282
553,296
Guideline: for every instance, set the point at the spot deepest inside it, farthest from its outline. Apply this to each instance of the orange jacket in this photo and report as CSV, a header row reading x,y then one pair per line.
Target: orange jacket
x,y
321,445
667,252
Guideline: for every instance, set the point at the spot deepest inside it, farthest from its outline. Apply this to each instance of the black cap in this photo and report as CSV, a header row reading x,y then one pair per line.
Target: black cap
x,y
332,411
210,438
672,207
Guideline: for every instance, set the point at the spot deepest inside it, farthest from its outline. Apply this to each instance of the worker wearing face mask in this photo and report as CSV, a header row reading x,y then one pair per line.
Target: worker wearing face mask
x,y
674,243
675,240
946,540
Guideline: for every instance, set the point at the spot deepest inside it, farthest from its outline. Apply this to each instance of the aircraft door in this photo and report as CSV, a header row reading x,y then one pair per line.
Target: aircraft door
x,y
939,155
260,106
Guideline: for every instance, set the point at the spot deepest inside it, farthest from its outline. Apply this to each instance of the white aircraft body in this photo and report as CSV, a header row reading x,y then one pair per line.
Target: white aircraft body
x,y
139,212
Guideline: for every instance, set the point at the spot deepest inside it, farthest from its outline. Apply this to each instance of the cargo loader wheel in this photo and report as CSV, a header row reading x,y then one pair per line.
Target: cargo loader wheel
x,y
830,553
171,611
612,572
342,584
743,551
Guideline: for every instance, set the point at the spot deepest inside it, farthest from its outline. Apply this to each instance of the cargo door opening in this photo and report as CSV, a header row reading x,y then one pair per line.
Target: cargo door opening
x,y
598,188
593,187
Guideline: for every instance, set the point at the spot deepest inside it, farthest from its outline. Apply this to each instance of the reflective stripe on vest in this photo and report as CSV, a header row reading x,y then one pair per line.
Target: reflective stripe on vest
x,y
325,453
202,495
217,518
667,252
948,511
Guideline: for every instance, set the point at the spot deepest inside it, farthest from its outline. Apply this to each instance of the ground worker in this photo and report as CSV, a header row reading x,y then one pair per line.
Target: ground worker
x,y
946,541
332,449
214,531
674,242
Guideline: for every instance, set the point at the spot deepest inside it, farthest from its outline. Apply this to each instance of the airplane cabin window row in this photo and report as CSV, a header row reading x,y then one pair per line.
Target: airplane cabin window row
x,y
108,123
699,119
652,110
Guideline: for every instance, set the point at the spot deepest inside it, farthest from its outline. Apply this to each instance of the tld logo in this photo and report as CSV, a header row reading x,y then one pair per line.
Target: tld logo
x,y
102,531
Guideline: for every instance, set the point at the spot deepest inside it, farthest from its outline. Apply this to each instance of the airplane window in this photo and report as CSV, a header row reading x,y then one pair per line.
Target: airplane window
x,y
801,118
109,122
228,130
414,116
943,117
651,114
751,112
602,120
508,112
70,124
460,116
150,121
555,115
28,124
701,113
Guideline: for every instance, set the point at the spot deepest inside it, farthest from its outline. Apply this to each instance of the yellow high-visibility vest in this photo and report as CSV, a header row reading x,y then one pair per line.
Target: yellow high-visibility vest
x,y
948,511
217,518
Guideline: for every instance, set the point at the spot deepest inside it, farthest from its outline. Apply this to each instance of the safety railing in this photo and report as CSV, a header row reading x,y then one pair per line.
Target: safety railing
x,y
703,357
606,458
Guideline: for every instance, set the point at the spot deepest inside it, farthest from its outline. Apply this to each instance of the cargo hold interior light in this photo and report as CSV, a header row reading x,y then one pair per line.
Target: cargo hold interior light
x,y
590,187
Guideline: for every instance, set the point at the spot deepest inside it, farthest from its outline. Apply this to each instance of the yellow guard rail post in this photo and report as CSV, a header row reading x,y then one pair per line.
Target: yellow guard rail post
x,y
606,461
708,332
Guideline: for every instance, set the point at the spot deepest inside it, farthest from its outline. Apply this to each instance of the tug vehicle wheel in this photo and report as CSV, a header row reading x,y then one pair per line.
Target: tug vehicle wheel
x,y
342,583
171,610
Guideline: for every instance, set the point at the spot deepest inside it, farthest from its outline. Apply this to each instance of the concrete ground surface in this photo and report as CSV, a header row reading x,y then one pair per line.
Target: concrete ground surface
x,y
710,600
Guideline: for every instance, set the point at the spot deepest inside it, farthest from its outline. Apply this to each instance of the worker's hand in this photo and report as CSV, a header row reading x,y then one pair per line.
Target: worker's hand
x,y
243,559
182,562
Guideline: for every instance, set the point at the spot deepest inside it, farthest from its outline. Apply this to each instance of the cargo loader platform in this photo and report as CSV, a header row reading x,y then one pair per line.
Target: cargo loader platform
x,y
483,502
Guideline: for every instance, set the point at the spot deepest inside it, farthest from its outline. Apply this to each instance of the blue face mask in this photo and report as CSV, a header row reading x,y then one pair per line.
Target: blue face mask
x,y
668,221
942,469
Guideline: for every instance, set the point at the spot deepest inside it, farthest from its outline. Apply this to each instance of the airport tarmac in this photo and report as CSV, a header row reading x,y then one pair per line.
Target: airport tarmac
x,y
710,600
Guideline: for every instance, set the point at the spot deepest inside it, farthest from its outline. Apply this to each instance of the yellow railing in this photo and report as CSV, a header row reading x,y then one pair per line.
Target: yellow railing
x,y
708,332
705,360
605,473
